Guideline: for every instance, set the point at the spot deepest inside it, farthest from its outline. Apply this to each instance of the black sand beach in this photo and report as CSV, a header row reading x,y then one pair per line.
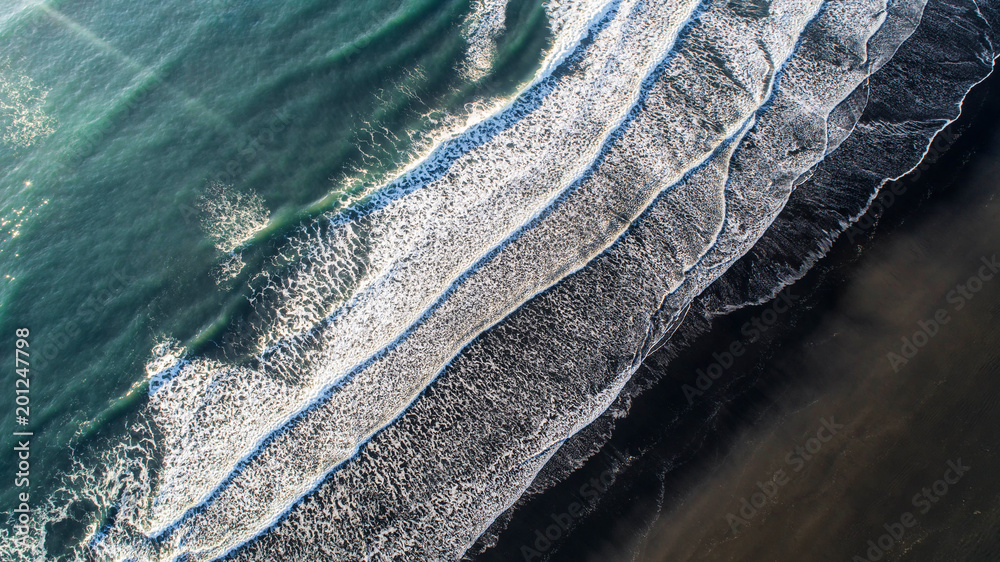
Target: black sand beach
x,y
859,425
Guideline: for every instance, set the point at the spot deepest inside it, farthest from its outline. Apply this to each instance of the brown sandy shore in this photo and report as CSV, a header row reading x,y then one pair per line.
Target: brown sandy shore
x,y
864,426
885,444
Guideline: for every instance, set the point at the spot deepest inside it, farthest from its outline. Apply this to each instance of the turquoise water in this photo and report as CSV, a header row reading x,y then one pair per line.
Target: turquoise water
x,y
136,111
347,281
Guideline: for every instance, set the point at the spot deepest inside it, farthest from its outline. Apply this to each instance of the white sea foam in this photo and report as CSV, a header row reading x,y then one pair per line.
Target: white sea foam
x,y
486,22
231,217
412,248
24,120
488,489
693,143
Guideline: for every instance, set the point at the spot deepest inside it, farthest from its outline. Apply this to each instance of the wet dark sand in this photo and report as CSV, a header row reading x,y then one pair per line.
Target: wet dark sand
x,y
721,478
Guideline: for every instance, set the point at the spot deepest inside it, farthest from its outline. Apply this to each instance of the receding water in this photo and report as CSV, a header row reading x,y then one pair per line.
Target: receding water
x,y
337,281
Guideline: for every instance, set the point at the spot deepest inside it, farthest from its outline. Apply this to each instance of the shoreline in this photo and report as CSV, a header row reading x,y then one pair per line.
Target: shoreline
x,y
766,393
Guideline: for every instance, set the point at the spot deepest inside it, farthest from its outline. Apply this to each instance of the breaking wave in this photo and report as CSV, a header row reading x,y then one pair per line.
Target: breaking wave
x,y
427,351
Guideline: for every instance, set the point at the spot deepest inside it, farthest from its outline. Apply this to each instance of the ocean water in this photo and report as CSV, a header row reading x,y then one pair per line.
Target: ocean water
x,y
349,281
152,142
676,478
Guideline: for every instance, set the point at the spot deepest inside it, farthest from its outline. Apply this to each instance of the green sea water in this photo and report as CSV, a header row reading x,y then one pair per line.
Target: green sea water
x,y
124,123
